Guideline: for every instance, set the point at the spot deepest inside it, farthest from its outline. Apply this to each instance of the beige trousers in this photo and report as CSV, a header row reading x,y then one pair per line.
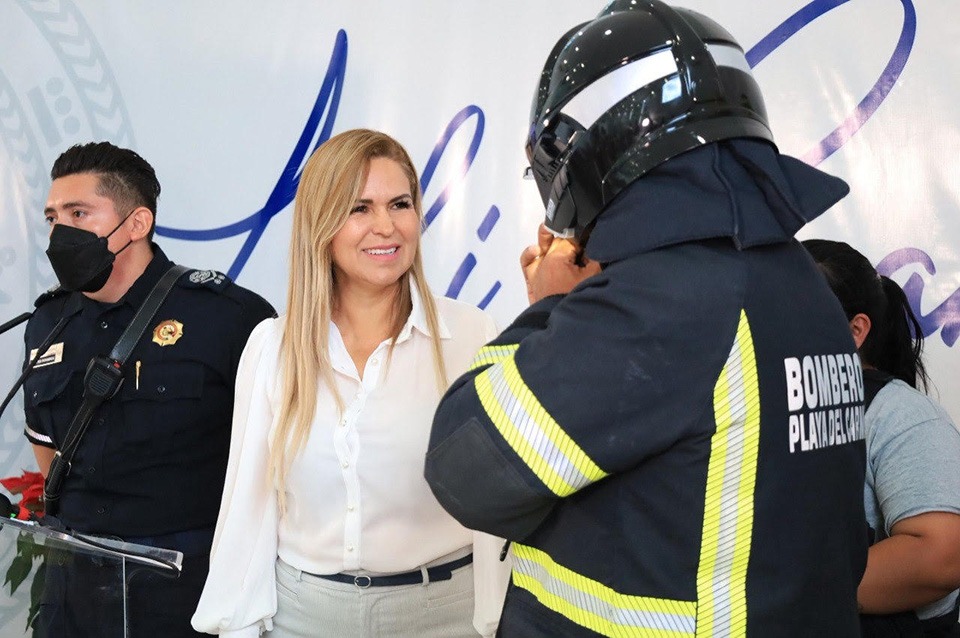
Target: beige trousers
x,y
308,606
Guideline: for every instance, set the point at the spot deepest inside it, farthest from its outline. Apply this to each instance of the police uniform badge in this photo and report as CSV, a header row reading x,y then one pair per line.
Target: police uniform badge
x,y
167,332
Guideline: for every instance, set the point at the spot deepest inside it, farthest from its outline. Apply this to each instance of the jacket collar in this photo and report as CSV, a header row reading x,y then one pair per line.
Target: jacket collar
x,y
742,189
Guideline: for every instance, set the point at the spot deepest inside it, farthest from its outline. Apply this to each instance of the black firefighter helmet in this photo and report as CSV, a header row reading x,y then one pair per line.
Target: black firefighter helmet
x,y
641,83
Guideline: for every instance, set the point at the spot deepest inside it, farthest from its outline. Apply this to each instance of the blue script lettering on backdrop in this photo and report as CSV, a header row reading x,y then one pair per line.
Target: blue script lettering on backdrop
x,y
946,315
327,104
875,96
324,112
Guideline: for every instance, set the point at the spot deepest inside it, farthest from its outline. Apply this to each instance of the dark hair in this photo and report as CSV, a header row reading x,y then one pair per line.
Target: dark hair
x,y
895,341
124,176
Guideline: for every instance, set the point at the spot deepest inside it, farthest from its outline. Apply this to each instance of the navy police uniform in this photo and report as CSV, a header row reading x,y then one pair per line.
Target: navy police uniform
x,y
151,465
675,447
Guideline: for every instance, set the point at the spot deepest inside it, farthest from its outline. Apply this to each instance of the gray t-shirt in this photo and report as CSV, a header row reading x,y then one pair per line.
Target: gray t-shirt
x,y
913,464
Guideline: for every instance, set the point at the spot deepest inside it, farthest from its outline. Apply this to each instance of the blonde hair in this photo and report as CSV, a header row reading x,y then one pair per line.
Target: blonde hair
x,y
331,183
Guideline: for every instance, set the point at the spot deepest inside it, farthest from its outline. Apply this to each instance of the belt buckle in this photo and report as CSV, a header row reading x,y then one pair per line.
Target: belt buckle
x,y
357,580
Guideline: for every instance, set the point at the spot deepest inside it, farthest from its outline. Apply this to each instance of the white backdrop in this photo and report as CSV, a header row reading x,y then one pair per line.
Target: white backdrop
x,y
216,96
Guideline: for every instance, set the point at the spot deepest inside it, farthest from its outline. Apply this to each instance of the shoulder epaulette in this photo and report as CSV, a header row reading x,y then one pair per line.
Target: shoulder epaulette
x,y
212,279
223,285
52,293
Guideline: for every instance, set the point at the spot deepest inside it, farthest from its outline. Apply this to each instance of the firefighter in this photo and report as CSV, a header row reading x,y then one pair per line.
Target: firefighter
x,y
671,435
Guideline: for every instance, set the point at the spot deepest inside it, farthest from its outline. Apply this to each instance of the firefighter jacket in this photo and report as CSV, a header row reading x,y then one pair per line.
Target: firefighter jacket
x,y
674,448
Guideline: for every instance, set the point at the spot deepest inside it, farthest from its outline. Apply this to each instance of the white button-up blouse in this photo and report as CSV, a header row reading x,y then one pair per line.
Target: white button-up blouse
x,y
356,499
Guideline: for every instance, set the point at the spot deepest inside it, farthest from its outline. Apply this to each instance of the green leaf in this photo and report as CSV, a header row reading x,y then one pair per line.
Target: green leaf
x,y
19,569
25,545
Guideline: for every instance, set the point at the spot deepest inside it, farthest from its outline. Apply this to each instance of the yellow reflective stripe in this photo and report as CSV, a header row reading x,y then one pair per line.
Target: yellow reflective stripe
x,y
731,478
489,355
530,430
595,606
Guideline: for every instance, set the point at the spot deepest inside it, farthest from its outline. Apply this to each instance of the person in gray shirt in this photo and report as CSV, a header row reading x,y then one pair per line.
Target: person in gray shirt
x,y
912,485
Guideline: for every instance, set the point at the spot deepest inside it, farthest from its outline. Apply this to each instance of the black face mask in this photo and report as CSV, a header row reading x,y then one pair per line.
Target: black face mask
x,y
81,259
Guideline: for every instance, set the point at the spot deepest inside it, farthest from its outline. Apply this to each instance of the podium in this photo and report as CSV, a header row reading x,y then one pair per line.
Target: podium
x,y
76,585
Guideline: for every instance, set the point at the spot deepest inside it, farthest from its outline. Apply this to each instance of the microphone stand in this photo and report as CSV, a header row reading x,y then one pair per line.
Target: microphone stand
x,y
16,321
69,311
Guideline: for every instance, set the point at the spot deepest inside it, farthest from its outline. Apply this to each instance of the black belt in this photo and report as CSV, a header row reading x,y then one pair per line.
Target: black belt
x,y
440,572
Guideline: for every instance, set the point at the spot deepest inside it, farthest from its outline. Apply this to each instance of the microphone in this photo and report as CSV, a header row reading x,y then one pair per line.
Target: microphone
x,y
16,321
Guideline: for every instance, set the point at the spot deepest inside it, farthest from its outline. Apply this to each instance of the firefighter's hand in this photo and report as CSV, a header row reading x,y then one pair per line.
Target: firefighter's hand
x,y
550,268
531,256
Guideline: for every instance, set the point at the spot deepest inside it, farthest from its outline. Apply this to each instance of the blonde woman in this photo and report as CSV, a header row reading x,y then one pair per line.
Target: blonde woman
x,y
327,526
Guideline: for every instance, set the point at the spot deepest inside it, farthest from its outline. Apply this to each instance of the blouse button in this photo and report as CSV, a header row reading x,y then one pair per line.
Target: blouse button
x,y
350,549
161,389
345,464
349,508
104,325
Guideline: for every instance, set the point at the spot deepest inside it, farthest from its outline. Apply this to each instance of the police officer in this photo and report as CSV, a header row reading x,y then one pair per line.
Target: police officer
x,y
671,435
151,465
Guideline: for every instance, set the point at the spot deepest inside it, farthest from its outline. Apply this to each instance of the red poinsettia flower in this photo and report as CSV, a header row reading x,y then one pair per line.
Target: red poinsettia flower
x,y
30,488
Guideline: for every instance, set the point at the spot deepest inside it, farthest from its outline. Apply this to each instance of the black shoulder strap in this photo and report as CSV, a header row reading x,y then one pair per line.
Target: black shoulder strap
x,y
128,340
103,378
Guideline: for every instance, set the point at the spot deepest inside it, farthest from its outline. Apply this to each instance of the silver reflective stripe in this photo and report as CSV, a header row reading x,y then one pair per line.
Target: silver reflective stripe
x,y
36,436
730,498
489,355
726,55
588,105
532,432
595,605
